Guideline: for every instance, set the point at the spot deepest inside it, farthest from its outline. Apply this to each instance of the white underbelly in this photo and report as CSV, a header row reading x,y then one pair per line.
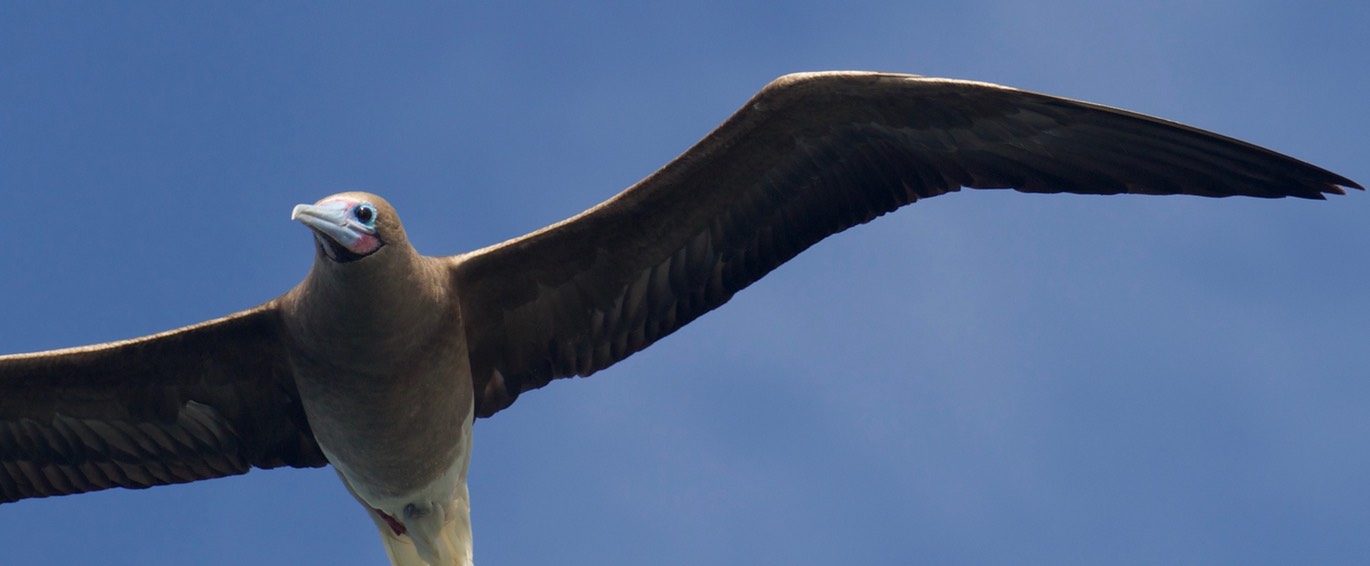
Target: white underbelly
x,y
444,488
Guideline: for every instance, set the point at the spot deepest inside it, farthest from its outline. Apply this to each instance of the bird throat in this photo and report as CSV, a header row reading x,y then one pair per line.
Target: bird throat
x,y
335,251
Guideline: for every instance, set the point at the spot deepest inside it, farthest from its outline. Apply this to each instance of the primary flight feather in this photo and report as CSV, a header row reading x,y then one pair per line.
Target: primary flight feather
x,y
378,362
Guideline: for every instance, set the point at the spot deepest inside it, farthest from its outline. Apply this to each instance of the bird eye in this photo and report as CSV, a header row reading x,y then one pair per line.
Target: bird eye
x,y
365,213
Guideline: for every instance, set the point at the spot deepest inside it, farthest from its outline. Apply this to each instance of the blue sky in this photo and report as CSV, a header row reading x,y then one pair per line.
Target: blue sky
x,y
984,377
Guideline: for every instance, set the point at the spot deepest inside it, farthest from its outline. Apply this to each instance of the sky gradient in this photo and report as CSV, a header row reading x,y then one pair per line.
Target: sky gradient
x,y
984,377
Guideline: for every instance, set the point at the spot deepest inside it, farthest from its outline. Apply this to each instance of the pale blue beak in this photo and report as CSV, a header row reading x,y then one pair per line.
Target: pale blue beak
x,y
333,219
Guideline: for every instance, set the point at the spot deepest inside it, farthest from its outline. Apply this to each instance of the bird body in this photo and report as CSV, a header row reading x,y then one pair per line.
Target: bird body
x,y
381,359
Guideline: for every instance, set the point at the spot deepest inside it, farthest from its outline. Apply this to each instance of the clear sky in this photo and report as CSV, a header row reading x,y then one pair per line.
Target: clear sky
x,y
985,377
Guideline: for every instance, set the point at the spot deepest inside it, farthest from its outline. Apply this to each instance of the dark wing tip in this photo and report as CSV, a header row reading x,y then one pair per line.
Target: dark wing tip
x,y
1342,182
1332,184
1323,182
1278,176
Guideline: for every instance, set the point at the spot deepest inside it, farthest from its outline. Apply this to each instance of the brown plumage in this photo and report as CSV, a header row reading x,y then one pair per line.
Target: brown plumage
x,y
379,356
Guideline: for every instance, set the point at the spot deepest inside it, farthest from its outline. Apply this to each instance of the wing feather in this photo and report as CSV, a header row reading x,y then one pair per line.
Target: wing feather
x,y
205,401
809,156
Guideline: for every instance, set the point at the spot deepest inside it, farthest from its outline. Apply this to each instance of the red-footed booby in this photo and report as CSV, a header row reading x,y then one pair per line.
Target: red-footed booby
x,y
379,361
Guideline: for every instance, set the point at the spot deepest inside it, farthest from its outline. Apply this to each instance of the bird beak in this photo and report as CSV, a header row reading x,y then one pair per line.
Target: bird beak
x,y
330,219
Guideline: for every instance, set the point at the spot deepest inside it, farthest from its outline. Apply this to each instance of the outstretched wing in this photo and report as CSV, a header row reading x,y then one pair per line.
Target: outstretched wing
x,y
809,156
205,401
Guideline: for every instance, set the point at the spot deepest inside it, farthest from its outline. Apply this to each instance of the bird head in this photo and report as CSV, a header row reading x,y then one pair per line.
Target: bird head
x,y
350,226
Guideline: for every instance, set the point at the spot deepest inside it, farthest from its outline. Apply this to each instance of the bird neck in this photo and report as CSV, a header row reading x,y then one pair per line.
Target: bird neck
x,y
371,308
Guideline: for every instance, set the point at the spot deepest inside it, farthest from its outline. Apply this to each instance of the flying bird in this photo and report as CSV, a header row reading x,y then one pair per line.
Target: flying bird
x,y
381,359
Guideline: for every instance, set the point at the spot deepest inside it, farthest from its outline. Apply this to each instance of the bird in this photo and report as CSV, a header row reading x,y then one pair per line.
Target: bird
x,y
379,362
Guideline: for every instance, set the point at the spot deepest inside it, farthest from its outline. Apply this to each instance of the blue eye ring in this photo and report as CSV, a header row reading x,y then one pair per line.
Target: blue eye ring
x,y
366,214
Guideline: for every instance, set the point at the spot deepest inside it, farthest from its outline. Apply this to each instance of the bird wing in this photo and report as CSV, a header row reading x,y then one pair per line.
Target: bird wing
x,y
809,156
205,401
